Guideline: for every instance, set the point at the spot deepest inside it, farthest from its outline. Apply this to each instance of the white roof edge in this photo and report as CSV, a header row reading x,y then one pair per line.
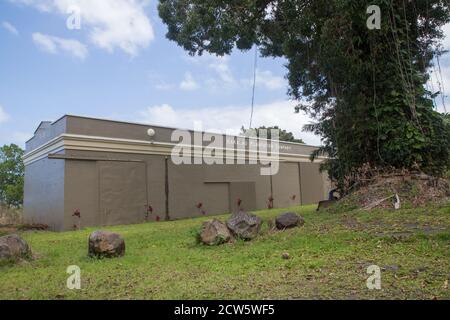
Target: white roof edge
x,y
166,127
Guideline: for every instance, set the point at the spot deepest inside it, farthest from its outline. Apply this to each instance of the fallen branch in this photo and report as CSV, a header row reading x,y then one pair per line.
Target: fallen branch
x,y
377,203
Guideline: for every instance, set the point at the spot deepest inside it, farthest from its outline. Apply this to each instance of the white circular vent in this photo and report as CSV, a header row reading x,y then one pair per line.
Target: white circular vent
x,y
151,132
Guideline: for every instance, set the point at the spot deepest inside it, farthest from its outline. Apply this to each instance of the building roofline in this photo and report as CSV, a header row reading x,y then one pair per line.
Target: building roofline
x,y
160,126
40,125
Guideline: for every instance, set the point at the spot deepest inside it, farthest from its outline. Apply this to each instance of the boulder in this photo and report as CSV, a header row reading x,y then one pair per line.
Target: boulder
x,y
13,247
244,225
106,244
214,232
289,220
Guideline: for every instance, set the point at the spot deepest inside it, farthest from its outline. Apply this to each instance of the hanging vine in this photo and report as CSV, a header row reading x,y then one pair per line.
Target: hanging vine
x,y
367,89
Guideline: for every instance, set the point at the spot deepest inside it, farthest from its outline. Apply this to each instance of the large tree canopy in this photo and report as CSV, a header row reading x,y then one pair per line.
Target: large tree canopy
x,y
366,88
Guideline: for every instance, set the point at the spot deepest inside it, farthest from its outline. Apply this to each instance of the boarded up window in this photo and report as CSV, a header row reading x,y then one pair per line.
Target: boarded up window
x,y
245,191
123,192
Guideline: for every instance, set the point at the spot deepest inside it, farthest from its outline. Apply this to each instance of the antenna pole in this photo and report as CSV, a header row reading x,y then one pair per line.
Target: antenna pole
x,y
254,85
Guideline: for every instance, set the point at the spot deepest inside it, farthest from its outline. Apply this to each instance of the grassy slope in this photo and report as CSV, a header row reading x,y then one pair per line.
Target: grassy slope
x,y
329,257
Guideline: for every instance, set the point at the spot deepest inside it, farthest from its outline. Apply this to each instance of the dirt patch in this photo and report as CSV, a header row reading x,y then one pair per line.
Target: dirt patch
x,y
412,189
11,222
407,233
4,230
394,229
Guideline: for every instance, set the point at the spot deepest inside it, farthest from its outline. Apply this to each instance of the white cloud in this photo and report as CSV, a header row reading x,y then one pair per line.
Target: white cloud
x,y
54,45
221,67
231,118
8,136
3,115
270,81
159,82
266,79
441,82
19,138
446,40
216,70
446,62
161,114
440,77
223,76
10,28
41,5
446,79
188,83
44,42
110,23
16,137
163,86
270,11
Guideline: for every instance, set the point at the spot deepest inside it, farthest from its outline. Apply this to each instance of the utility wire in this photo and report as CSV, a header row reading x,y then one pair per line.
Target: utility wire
x,y
441,84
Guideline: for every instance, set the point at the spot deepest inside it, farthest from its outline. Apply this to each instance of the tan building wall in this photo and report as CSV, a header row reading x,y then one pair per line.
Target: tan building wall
x,y
110,179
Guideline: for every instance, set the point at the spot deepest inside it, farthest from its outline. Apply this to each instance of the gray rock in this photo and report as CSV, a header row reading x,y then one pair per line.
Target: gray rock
x,y
390,268
285,256
214,232
13,247
289,220
244,225
106,244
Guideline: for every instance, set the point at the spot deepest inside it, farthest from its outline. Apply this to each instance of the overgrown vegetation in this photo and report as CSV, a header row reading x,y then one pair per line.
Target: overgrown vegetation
x,y
382,191
367,88
329,257
9,216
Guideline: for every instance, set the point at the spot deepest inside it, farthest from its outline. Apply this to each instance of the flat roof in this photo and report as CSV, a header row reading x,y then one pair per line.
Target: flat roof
x,y
157,126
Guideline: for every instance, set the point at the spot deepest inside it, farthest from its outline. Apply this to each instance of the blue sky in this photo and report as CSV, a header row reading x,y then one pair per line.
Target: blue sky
x,y
112,68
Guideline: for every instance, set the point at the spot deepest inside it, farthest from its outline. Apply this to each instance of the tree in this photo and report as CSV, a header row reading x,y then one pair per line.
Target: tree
x,y
366,88
11,175
283,134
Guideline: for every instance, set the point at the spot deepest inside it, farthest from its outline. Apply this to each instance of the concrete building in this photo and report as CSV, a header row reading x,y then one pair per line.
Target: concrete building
x,y
83,171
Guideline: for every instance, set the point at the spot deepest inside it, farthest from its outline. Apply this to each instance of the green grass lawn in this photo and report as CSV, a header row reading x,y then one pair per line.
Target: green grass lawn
x,y
328,259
